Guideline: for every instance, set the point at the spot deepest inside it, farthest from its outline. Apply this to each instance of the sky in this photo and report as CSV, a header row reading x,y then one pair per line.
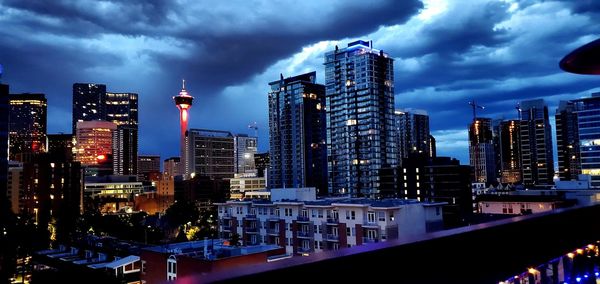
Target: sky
x,y
447,52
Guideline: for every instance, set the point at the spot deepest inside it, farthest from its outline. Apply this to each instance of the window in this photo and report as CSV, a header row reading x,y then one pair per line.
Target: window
x,y
288,226
371,217
348,232
171,268
277,212
143,267
320,211
437,211
304,213
352,215
314,213
288,212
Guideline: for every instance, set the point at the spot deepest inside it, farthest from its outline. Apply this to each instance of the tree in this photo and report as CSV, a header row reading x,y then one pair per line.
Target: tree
x,y
182,212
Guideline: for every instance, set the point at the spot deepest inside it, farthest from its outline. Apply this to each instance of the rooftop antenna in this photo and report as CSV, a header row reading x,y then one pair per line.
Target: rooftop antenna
x,y
475,106
519,110
183,84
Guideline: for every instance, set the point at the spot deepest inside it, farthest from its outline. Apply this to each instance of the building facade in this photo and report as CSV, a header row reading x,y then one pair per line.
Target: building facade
x,y
125,150
94,142
15,190
147,164
121,108
172,166
88,102
244,149
211,153
359,83
305,227
536,143
510,151
297,148
242,184
262,163
413,136
588,130
481,150
567,141
4,135
28,117
61,145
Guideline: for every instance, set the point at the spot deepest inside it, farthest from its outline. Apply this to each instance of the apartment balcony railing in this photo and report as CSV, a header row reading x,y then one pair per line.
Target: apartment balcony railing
x,y
226,228
332,221
302,219
331,237
303,234
251,217
370,240
474,254
274,232
252,230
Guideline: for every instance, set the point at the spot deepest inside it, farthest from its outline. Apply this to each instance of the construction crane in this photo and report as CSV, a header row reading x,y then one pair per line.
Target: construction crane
x,y
254,126
475,106
519,110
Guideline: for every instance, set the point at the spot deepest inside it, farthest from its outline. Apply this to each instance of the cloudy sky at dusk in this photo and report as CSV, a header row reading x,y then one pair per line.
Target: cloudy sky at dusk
x,y
446,52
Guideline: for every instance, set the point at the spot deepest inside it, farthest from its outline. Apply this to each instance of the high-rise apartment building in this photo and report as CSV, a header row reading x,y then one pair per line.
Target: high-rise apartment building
x,y
121,108
578,136
88,102
536,143
567,140
28,116
262,163
244,150
481,150
413,136
359,83
297,147
211,153
510,151
125,150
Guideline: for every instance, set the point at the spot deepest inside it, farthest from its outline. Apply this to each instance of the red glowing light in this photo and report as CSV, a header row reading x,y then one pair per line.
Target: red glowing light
x,y
101,157
184,115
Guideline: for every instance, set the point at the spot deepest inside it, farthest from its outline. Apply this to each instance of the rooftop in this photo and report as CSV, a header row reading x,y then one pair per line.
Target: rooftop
x,y
217,249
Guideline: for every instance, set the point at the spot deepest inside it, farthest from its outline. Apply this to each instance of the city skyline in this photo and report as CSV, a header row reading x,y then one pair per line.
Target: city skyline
x,y
497,60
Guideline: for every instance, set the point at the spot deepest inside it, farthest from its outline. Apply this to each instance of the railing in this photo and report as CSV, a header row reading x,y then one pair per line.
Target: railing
x,y
226,228
331,237
273,231
251,230
301,249
370,240
474,254
302,219
332,220
251,216
303,234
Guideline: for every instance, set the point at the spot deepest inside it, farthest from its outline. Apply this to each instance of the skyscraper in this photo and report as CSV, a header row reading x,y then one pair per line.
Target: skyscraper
x,y
210,153
183,101
244,149
567,140
121,108
481,150
297,133
412,127
88,102
359,84
510,151
28,115
94,145
124,150
262,163
4,134
536,143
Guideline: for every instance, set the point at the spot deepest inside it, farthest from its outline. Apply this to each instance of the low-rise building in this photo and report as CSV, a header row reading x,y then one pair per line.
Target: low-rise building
x,y
520,204
113,195
170,262
241,184
306,226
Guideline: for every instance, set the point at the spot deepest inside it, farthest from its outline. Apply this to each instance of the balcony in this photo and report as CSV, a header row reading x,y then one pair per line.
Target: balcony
x,y
370,240
370,225
302,219
303,250
332,221
304,234
331,237
251,217
251,230
226,216
226,228
485,255
273,232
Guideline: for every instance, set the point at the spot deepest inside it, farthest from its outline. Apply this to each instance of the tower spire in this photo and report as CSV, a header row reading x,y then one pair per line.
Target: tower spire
x,y
183,84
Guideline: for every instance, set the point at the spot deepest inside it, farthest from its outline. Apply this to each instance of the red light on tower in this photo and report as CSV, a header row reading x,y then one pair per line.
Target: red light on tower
x,y
183,101
101,158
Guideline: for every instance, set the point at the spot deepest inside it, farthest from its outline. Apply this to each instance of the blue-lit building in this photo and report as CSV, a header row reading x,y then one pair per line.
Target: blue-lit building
x,y
586,112
297,148
536,143
88,102
359,85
